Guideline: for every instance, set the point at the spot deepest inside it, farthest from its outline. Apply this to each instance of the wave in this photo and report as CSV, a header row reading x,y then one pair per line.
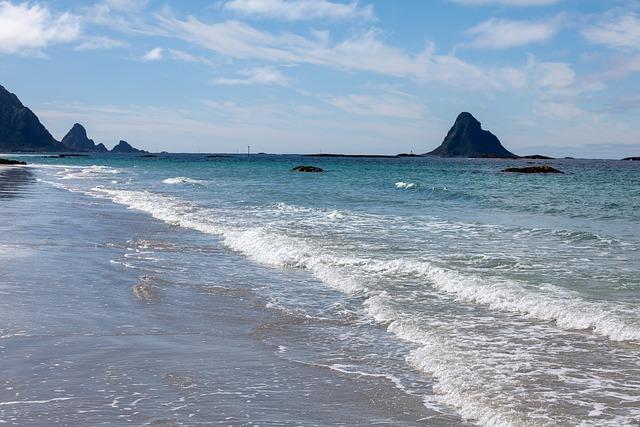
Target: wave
x,y
184,180
350,274
406,185
466,380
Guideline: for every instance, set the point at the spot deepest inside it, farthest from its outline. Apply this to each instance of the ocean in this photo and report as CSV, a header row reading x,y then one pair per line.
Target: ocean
x,y
186,290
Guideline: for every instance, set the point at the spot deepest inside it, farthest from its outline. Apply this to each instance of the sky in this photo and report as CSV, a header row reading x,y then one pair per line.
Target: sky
x,y
554,77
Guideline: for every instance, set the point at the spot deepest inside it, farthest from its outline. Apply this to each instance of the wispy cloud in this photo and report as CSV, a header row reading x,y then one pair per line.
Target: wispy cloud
x,y
364,51
378,105
500,33
506,2
261,75
154,54
620,32
27,28
99,43
298,10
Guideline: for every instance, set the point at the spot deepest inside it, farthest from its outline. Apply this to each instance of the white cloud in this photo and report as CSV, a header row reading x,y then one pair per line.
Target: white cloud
x,y
100,42
622,32
559,110
507,2
261,75
362,52
154,54
500,34
295,10
27,28
554,75
379,105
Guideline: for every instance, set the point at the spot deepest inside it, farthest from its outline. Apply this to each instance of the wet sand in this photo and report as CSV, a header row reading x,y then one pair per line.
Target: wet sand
x,y
90,334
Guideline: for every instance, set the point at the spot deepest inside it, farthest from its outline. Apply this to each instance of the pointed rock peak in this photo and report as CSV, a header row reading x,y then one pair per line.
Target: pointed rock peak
x,y
77,140
78,129
468,119
466,138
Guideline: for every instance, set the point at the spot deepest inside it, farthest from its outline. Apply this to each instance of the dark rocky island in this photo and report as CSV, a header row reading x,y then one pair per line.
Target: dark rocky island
x,y
307,169
533,169
636,159
467,139
77,140
537,157
11,162
125,147
20,129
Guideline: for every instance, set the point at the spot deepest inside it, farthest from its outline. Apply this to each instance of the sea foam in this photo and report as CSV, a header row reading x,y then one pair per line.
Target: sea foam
x,y
184,180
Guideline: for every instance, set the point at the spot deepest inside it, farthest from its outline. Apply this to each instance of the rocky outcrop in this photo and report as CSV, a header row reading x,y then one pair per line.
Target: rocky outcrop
x,y
77,140
11,162
307,169
534,169
467,139
125,147
537,157
20,129
637,159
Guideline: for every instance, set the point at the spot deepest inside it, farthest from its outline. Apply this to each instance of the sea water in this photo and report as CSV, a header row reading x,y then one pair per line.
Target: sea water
x,y
502,299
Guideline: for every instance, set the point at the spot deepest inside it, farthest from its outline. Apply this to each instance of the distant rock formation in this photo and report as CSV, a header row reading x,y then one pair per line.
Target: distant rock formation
x,y
467,139
534,169
307,169
632,158
125,147
76,140
11,162
20,129
537,157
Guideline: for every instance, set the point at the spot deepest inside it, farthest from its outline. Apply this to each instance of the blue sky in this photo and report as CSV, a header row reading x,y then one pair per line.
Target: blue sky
x,y
557,77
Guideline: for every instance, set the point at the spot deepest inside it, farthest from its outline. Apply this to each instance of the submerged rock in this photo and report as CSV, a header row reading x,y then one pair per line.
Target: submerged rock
x,y
467,139
307,169
11,162
534,169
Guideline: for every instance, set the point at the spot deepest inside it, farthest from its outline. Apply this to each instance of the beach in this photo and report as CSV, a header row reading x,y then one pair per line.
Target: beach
x,y
186,290
95,332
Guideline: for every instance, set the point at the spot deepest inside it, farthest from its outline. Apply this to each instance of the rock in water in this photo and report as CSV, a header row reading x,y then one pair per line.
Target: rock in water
x,y
467,139
632,158
77,140
124,147
533,169
307,169
11,162
20,129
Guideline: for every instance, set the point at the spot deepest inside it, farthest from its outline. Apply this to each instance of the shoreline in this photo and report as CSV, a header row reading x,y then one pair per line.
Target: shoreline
x,y
208,347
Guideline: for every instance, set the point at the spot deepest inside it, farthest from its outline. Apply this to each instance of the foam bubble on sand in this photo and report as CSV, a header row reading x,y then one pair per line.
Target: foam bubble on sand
x,y
184,180
401,185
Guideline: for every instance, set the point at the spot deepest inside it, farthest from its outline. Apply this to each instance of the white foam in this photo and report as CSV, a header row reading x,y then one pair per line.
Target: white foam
x,y
406,185
184,180
550,303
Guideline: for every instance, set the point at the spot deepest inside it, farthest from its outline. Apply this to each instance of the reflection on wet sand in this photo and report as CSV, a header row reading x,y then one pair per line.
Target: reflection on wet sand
x,y
13,180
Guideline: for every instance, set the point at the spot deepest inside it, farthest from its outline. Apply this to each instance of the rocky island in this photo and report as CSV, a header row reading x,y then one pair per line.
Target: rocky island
x,y
77,140
125,147
467,139
22,131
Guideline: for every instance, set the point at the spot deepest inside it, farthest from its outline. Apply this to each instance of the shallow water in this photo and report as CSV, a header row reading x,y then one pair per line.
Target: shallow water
x,y
503,299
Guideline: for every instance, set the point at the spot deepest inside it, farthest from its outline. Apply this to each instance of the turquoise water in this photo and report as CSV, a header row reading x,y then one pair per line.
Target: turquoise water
x,y
516,296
